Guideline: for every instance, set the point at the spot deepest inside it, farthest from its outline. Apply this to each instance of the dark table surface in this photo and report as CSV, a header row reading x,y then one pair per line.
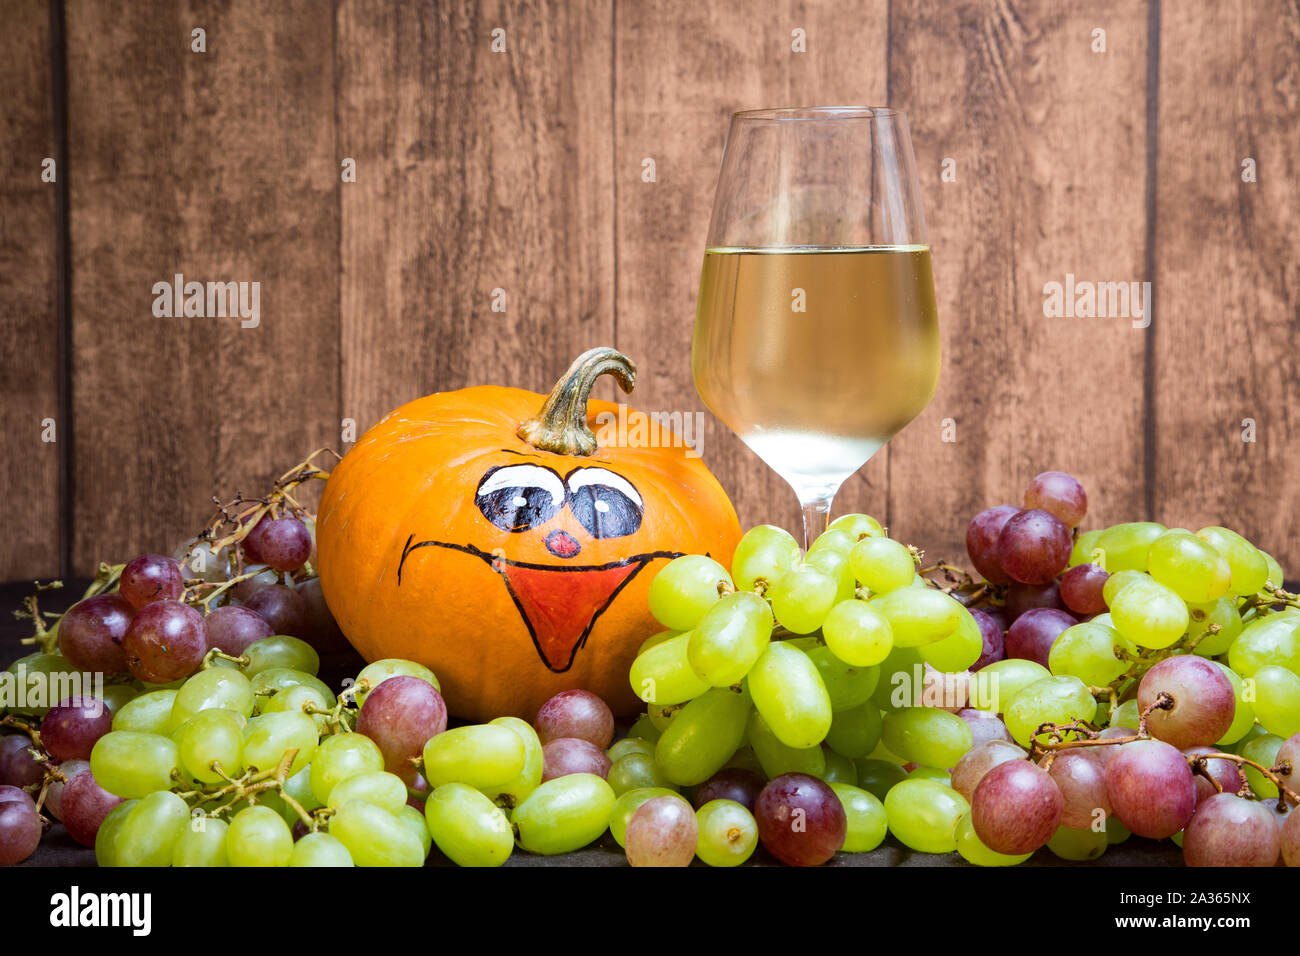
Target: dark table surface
x,y
59,849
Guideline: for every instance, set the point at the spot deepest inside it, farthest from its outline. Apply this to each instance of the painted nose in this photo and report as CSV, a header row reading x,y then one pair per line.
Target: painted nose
x,y
562,544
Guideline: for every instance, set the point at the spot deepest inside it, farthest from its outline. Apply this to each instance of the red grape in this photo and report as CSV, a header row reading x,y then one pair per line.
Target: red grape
x,y
566,755
70,730
982,541
320,630
1108,752
984,726
231,629
20,831
281,543
1032,635
994,638
84,806
1034,546
282,607
1290,836
149,578
400,715
1081,588
1228,830
575,713
91,633
801,821
1225,772
1081,776
165,642
1289,753
730,783
1204,703
662,832
1016,807
1025,597
978,761
1151,788
1060,494
9,793
18,768
54,795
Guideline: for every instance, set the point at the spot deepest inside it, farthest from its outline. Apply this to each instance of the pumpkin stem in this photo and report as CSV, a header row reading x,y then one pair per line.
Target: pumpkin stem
x,y
561,426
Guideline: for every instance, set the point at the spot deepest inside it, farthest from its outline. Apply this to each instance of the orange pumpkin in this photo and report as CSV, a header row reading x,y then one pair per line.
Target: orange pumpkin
x,y
505,548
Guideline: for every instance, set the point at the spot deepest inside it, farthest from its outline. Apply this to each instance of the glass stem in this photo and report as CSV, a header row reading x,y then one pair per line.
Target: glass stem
x,y
816,515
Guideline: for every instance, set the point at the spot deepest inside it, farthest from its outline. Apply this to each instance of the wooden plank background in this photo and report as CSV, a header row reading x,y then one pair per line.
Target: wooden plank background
x,y
521,171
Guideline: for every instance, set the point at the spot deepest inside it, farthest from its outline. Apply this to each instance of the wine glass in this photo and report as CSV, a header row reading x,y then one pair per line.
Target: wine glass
x,y
816,337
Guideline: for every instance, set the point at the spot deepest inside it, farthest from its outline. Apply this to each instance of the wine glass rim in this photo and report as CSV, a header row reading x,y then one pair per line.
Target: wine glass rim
x,y
796,113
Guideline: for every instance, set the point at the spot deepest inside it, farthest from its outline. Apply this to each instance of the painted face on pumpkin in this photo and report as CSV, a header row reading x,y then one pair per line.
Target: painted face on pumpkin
x,y
559,601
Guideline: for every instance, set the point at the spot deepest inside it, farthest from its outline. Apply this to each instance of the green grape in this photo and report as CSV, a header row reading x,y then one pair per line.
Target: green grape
x,y
296,700
630,745
106,836
1243,718
1127,714
338,757
1116,832
385,790
728,833
839,768
959,650
919,615
131,764
1087,651
564,814
660,716
789,693
702,738
930,773
212,688
655,639
764,554
1188,566
416,825
629,803
1084,545
901,677
469,828
856,731
878,777
1274,639
973,850
1277,700
923,815
1078,845
882,564
1263,750
298,786
1248,565
273,680
685,589
644,729
481,755
746,759
833,539
268,737
1276,576
319,849
857,633
636,771
149,713
866,817
802,598
374,837
1118,582
376,672
259,836
281,650
858,526
846,686
117,696
663,675
202,843
1149,615
531,775
729,639
1004,680
146,837
777,758
211,737
835,565
927,735
1126,545
45,674
1058,700
1221,614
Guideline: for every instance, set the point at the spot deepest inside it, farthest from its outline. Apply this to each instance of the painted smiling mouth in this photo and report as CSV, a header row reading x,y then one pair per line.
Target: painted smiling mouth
x,y
559,604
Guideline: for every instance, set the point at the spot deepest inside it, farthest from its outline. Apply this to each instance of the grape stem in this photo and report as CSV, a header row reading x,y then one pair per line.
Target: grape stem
x,y
246,787
51,773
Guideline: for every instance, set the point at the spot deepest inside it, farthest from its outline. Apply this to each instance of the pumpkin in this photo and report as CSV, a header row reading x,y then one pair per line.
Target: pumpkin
x,y
506,548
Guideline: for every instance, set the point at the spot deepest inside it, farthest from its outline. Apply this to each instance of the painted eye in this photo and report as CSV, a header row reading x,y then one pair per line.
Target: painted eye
x,y
604,503
519,497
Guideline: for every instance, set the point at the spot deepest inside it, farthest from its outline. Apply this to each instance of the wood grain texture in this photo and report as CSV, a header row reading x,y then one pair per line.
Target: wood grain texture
x,y
682,68
1227,283
219,166
1049,144
476,171
29,321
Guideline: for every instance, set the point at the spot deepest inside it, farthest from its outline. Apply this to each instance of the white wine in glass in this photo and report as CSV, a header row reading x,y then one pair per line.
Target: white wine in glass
x,y
816,337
